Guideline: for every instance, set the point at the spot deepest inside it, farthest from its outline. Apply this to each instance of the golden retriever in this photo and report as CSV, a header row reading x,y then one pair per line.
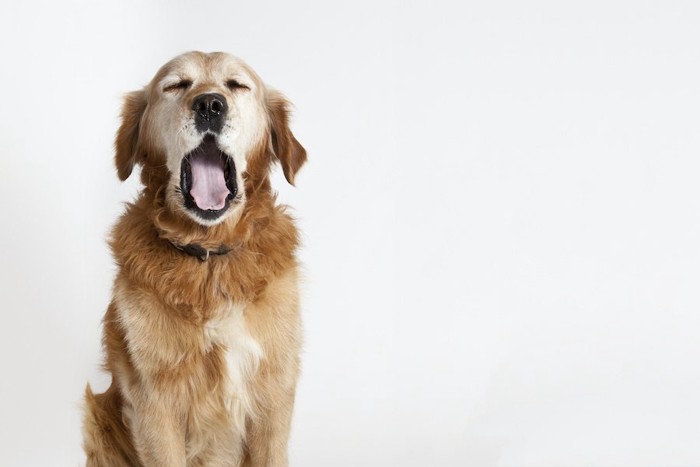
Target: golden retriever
x,y
202,335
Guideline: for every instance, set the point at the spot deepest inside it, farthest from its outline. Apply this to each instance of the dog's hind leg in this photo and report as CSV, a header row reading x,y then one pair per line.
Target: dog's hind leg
x,y
106,440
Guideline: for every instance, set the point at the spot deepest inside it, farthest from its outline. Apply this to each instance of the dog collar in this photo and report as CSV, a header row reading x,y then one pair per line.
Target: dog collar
x,y
199,252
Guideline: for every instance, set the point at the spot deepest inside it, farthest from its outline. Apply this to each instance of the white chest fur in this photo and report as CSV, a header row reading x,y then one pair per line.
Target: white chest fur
x,y
243,354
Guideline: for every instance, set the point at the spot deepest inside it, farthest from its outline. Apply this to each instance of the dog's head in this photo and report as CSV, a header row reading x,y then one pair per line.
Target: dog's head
x,y
198,127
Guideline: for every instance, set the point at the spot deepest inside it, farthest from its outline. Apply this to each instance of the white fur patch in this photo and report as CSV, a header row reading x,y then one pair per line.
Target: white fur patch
x,y
243,355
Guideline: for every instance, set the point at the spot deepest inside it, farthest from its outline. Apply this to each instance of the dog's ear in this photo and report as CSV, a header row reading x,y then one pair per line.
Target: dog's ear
x,y
126,142
285,146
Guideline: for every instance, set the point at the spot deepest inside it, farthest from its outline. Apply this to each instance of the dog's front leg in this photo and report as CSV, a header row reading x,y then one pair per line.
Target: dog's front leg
x,y
268,434
275,322
159,432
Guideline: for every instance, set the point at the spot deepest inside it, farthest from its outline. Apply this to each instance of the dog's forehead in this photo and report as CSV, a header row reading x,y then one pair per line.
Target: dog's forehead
x,y
205,66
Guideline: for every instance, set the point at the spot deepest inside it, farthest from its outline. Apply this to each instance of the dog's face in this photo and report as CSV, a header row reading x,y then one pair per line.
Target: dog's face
x,y
203,117
207,113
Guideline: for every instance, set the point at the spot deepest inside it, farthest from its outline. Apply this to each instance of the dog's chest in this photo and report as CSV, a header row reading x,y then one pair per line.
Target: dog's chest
x,y
229,333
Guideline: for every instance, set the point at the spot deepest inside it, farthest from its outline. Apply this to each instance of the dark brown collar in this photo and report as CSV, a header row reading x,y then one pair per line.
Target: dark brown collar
x,y
198,251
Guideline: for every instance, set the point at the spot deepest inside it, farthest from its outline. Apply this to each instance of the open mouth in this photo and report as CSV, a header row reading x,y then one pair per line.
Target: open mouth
x,y
208,180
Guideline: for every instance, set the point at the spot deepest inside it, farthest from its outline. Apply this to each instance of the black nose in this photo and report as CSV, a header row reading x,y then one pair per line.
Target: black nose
x,y
209,112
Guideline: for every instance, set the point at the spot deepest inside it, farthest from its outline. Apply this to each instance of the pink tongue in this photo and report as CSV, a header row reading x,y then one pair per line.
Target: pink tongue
x,y
208,183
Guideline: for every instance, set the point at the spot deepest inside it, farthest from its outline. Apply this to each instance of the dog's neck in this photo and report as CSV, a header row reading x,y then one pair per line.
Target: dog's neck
x,y
201,242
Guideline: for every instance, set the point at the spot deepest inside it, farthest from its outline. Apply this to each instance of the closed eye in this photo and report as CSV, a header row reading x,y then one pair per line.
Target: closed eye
x,y
184,84
232,84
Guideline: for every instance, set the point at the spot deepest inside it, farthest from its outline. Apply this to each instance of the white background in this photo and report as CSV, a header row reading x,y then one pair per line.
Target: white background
x,y
501,217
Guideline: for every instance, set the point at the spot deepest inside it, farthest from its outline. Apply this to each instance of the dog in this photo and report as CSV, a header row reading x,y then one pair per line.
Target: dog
x,y
203,333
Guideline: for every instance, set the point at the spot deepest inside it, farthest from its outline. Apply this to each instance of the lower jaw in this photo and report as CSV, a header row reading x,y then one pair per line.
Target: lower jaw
x,y
209,216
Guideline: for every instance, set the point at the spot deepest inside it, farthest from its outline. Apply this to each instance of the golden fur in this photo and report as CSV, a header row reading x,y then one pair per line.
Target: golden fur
x,y
204,355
